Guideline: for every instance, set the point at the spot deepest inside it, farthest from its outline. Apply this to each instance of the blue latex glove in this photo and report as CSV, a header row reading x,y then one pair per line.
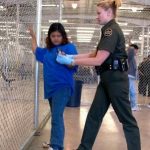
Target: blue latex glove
x,y
64,60
70,56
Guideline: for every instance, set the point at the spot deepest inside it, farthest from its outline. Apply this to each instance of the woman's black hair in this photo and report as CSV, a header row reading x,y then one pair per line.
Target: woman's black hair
x,y
53,28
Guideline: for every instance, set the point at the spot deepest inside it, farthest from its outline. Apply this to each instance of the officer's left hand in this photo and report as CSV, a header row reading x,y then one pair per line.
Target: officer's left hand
x,y
64,60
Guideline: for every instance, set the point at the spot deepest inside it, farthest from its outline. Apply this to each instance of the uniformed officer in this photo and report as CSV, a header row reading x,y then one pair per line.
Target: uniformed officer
x,y
113,88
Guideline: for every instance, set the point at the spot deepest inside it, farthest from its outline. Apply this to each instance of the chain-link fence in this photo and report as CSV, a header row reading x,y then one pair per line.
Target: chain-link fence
x,y
17,60
17,65
16,73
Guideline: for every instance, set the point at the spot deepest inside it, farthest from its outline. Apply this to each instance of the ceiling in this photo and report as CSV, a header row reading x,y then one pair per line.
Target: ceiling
x,y
133,16
80,23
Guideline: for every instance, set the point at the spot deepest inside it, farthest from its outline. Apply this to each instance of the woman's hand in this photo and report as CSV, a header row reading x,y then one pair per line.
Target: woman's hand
x,y
31,32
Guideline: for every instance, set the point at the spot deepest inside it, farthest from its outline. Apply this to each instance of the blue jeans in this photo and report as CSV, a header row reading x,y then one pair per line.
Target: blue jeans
x,y
132,92
58,103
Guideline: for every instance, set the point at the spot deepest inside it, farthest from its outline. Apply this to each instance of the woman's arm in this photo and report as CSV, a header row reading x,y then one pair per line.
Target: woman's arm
x,y
93,61
34,42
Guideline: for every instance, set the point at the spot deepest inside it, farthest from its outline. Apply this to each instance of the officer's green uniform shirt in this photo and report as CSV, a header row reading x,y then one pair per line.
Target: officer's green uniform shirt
x,y
112,40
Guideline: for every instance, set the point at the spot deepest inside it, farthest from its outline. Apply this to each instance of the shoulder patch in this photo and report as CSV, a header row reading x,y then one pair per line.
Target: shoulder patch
x,y
108,32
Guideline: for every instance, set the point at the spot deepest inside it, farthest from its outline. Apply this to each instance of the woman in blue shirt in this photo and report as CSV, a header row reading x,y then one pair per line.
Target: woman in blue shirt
x,y
58,79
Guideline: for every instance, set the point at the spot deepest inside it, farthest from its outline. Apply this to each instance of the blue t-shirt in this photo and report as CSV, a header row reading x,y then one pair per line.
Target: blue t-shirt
x,y
55,75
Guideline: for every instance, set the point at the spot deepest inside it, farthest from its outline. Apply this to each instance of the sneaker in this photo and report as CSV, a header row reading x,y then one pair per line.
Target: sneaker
x,y
45,145
136,109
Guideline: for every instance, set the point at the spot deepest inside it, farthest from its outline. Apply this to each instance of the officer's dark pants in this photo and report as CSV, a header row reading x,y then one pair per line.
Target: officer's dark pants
x,y
113,89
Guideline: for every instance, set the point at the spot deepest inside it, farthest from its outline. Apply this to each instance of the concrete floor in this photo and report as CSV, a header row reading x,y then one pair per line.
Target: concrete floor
x,y
110,137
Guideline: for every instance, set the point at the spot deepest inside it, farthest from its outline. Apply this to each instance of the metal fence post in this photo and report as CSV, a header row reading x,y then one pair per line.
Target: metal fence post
x,y
60,10
38,36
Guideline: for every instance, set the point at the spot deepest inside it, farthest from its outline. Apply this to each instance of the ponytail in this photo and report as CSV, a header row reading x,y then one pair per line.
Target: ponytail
x,y
113,4
118,3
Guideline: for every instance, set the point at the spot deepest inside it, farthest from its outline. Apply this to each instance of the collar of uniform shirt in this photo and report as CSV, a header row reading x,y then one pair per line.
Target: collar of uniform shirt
x,y
108,24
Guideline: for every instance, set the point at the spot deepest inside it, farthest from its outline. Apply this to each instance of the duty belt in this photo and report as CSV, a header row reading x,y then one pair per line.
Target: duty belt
x,y
116,65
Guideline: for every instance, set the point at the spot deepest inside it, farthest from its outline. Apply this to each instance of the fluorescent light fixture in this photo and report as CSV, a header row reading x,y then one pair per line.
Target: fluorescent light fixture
x,y
126,33
146,36
1,26
63,21
74,5
87,35
52,5
84,31
84,37
45,27
2,8
25,37
8,22
123,23
2,29
11,33
85,28
147,46
136,41
83,41
8,30
127,30
4,38
59,5
134,9
45,30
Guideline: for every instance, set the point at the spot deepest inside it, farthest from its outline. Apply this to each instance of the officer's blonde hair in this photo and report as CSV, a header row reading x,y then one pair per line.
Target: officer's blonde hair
x,y
113,4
